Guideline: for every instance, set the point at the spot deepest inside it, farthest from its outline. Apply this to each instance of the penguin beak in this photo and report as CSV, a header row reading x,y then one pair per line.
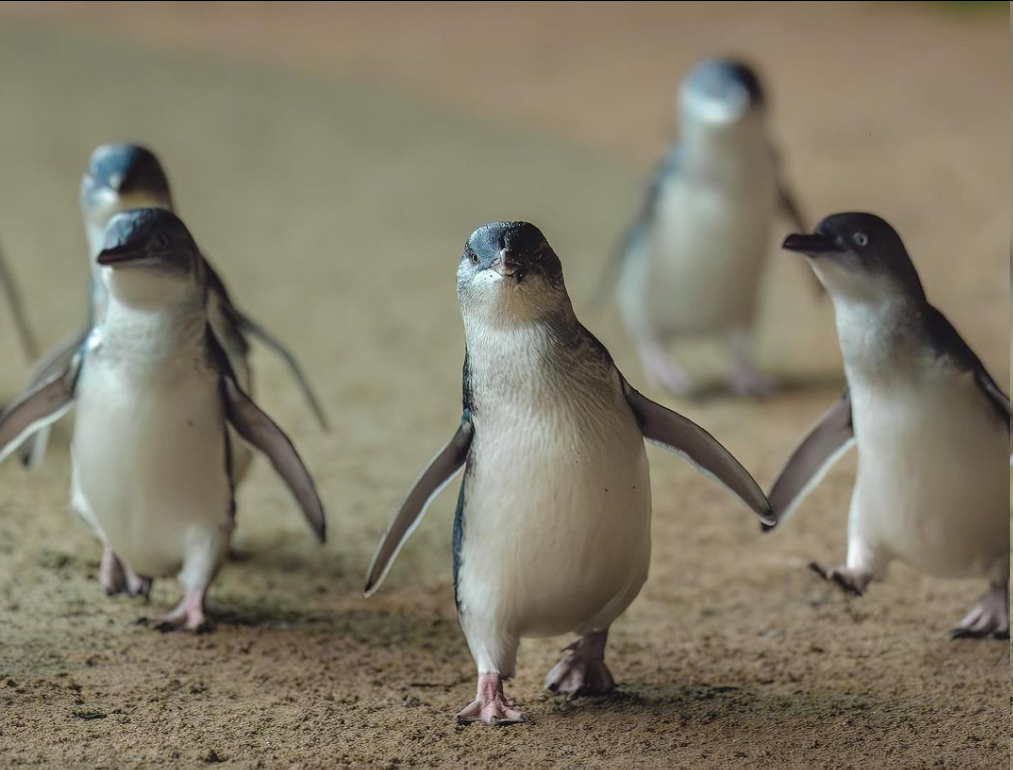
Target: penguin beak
x,y
118,255
811,245
507,266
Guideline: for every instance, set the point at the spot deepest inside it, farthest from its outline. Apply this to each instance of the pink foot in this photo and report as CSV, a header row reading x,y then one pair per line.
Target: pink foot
x,y
748,382
115,577
851,581
664,374
187,616
110,573
989,618
582,669
491,706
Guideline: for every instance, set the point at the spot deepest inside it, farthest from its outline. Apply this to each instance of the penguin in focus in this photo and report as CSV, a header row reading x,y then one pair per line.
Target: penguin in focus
x,y
931,425
121,177
553,527
156,401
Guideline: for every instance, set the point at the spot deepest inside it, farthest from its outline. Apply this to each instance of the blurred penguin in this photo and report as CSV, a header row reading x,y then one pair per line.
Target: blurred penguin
x,y
691,263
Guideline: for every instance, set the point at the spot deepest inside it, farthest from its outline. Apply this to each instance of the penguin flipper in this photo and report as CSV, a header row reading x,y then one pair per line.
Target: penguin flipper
x,y
17,309
790,209
250,327
669,165
828,440
40,406
260,431
247,327
685,438
33,450
440,472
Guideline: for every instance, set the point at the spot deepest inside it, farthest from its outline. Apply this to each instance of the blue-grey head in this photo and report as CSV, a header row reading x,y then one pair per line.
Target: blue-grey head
x,y
149,259
859,257
721,93
120,177
508,270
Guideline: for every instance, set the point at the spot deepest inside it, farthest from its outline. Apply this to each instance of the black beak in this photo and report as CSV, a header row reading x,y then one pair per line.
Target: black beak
x,y
118,255
811,245
507,265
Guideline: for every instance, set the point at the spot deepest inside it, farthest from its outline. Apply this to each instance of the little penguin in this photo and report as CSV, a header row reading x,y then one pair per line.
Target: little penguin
x,y
156,399
121,177
690,265
553,527
930,424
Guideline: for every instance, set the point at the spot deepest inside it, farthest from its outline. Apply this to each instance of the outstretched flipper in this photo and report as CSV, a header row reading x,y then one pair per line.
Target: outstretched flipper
x,y
39,407
250,327
440,471
33,449
685,438
17,310
259,431
831,437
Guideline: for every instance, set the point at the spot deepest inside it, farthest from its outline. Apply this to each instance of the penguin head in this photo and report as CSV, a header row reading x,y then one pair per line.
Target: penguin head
x,y
859,257
121,177
150,260
721,93
509,270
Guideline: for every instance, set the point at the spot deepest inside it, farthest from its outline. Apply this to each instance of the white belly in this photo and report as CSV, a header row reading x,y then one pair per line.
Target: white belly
x,y
557,519
933,476
698,269
149,465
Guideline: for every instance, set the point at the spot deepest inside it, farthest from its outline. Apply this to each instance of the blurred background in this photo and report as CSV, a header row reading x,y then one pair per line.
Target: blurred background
x,y
332,158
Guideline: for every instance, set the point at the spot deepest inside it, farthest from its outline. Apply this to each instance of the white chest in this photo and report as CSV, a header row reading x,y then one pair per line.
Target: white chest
x,y
557,505
149,456
933,471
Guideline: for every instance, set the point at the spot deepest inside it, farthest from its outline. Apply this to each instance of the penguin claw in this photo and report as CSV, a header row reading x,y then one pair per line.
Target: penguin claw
x,y
989,619
491,706
582,670
187,616
850,581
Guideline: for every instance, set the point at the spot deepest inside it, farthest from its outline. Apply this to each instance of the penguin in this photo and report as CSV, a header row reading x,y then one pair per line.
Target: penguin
x,y
552,531
930,424
13,296
691,263
156,399
121,177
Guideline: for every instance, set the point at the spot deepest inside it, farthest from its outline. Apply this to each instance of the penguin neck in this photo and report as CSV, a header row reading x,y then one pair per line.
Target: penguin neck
x,y
722,151
174,332
518,359
878,338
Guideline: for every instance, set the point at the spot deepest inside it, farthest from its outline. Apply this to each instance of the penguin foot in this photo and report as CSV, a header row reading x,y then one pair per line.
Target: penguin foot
x,y
491,706
110,574
989,619
187,616
664,374
750,383
137,585
582,670
852,581
116,577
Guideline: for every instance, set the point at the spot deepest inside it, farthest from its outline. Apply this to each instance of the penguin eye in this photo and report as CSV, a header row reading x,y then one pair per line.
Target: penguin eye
x,y
861,239
474,258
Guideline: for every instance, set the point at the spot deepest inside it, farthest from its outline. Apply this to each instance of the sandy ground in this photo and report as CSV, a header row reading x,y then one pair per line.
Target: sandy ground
x,y
332,160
